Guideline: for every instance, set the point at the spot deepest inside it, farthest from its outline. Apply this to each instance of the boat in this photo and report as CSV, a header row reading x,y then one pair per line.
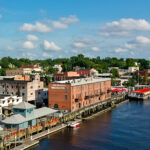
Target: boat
x,y
141,94
74,125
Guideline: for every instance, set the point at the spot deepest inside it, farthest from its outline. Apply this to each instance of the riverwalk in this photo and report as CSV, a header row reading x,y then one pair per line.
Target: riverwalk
x,y
33,140
82,114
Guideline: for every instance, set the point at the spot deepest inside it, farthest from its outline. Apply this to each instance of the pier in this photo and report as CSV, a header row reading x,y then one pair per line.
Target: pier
x,y
30,137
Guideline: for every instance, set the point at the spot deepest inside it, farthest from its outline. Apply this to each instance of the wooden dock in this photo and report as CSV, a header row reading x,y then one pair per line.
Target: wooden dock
x,y
27,144
33,140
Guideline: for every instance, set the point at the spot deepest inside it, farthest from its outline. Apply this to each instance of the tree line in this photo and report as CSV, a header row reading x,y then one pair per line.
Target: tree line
x,y
100,64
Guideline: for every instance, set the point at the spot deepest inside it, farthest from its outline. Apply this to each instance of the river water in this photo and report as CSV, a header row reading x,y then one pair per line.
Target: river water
x,y
127,127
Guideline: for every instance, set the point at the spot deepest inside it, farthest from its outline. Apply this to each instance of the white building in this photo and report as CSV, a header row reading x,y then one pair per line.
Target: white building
x,y
8,100
133,69
58,68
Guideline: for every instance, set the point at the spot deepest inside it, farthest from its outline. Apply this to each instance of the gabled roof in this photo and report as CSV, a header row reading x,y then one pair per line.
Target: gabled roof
x,y
14,119
24,105
18,118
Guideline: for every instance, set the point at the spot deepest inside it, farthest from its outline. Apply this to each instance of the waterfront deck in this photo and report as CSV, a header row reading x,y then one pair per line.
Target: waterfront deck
x,y
92,110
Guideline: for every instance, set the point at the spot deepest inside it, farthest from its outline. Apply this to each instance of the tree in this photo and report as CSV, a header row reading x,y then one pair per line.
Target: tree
x,y
145,78
48,79
115,73
2,72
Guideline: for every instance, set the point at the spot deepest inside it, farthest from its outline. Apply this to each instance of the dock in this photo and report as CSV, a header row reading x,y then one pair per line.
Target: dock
x,y
33,140
32,136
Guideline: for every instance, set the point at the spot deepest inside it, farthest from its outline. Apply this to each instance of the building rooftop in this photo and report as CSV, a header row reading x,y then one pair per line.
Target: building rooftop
x,y
24,105
18,118
82,81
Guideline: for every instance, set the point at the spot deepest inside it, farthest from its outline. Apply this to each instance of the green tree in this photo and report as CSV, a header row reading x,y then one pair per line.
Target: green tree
x,y
115,73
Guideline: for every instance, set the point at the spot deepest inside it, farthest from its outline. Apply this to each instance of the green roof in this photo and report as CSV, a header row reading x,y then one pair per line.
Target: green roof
x,y
24,105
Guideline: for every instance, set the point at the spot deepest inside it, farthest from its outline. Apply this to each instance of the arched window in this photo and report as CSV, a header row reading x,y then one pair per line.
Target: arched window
x,y
56,106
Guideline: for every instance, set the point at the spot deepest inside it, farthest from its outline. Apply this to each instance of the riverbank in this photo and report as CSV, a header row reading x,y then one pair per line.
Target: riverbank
x,y
90,112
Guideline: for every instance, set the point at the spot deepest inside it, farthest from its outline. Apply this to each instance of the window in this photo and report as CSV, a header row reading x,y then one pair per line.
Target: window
x,y
12,87
12,93
23,87
56,106
65,97
39,86
65,89
22,94
39,93
17,100
31,87
3,102
31,93
8,101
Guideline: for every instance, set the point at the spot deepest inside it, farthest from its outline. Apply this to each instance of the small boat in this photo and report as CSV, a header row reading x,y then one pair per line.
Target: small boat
x,y
74,125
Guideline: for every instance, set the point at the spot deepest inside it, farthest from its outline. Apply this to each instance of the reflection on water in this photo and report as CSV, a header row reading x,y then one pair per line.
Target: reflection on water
x,y
127,127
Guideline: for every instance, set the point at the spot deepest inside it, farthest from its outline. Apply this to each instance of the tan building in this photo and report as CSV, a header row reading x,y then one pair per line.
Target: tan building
x,y
74,94
30,90
24,70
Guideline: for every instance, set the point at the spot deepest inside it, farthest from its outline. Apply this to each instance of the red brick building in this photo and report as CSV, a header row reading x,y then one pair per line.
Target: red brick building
x,y
65,76
143,72
87,72
74,94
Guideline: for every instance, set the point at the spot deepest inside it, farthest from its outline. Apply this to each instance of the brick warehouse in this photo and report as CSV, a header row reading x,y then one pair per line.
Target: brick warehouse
x,y
74,94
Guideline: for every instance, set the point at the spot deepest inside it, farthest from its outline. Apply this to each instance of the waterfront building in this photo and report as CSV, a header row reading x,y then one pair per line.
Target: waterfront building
x,y
9,100
25,116
74,94
30,88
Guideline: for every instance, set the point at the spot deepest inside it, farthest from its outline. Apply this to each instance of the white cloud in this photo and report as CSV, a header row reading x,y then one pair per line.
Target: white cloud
x,y
76,51
95,49
46,55
31,37
37,27
142,40
129,46
51,46
121,50
1,16
115,34
138,43
28,45
79,45
9,48
29,55
123,26
70,20
59,25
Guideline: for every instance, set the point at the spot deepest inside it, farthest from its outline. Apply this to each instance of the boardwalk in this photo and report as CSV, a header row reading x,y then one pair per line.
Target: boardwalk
x,y
29,142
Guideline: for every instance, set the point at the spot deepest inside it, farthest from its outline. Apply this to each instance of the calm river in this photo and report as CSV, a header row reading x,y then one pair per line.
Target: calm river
x,y
127,127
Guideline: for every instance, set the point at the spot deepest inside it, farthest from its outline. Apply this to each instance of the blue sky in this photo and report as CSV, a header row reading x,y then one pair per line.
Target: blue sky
x,y
63,28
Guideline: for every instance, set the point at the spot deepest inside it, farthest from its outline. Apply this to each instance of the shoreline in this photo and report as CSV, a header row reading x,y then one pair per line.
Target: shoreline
x,y
35,139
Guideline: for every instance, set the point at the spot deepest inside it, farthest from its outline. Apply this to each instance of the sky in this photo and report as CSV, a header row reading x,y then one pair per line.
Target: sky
x,y
41,29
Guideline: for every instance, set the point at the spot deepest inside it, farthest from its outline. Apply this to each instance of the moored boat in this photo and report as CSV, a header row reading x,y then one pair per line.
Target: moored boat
x,y
74,125
141,94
